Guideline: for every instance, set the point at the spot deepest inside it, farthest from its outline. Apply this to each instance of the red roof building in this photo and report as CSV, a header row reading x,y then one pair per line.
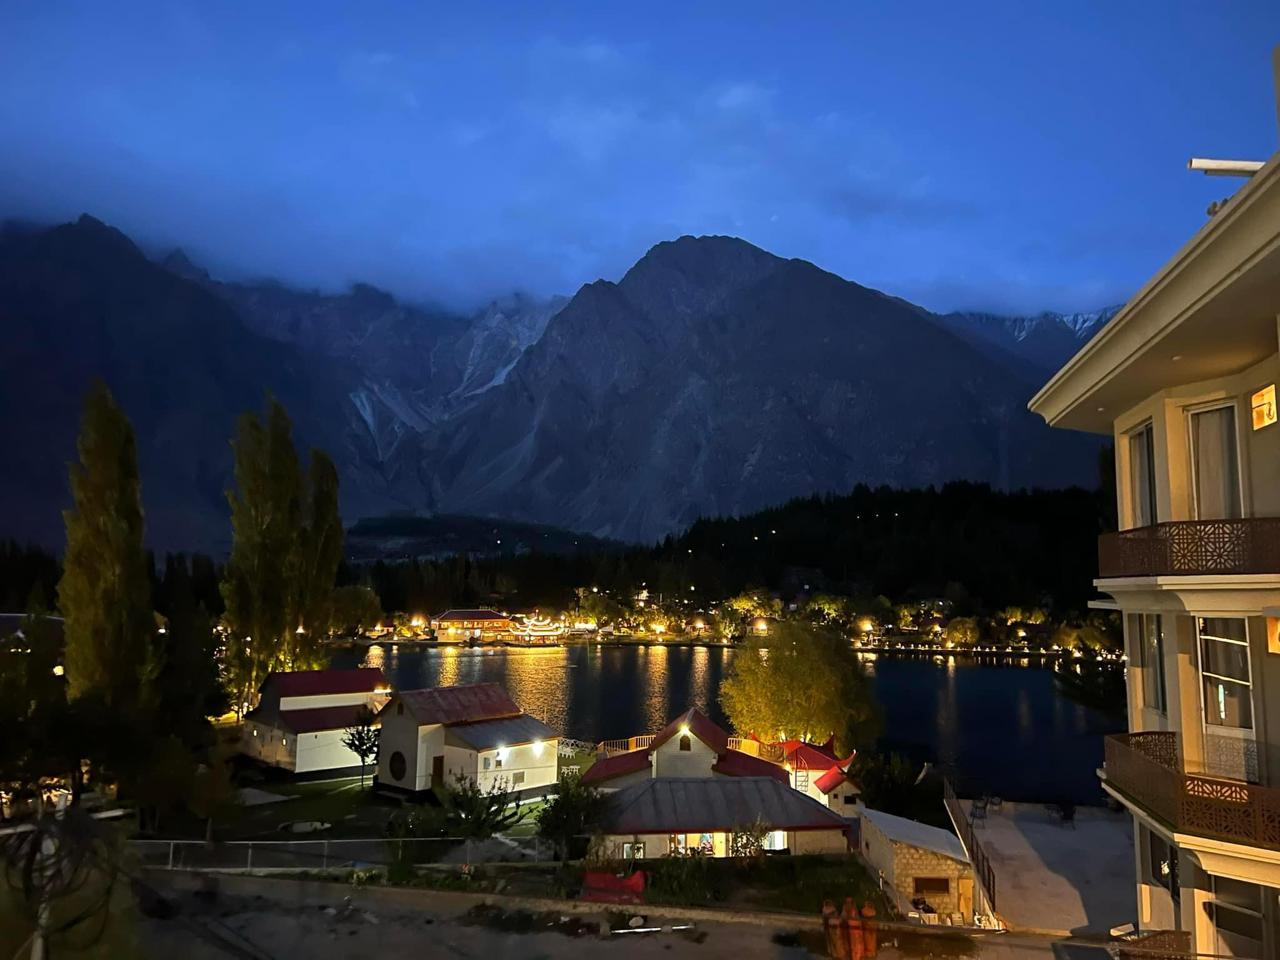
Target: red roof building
x,y
468,703
691,745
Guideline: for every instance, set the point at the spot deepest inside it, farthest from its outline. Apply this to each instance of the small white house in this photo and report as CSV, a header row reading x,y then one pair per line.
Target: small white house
x,y
302,716
431,737
817,772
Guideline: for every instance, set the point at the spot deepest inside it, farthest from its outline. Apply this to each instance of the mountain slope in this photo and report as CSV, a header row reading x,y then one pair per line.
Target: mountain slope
x,y
715,378
79,302
1045,341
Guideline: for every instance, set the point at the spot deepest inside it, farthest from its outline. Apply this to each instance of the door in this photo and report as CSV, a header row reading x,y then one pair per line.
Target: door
x,y
1226,697
1142,477
437,772
1215,464
964,897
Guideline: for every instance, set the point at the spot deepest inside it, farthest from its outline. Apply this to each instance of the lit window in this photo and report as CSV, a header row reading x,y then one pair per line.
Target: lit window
x,y
686,743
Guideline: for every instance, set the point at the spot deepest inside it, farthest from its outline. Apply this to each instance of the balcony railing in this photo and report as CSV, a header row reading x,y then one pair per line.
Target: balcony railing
x,y
1146,768
1188,547
765,751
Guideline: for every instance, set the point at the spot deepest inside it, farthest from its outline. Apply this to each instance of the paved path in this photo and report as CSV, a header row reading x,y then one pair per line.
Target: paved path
x,y
1052,878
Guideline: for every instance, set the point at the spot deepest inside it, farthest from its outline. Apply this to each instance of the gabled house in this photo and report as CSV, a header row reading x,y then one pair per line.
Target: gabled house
x,y
433,736
817,772
689,746
677,815
301,717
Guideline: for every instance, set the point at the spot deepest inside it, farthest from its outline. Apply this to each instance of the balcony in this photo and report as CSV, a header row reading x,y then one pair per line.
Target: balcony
x,y
1147,768
1192,547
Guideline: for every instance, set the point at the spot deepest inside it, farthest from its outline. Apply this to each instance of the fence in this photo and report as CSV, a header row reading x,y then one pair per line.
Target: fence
x,y
982,871
255,855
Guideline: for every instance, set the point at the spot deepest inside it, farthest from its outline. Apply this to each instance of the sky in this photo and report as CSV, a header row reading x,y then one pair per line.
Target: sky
x,y
1012,157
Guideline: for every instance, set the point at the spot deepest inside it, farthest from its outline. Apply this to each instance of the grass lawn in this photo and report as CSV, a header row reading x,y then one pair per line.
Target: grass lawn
x,y
351,809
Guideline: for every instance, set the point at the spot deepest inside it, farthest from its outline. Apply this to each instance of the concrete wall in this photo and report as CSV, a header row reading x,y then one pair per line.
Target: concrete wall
x,y
267,744
400,734
818,841
536,763
670,761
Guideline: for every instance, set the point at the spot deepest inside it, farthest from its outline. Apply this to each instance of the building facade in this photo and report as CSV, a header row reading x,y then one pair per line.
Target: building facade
x,y
479,625
302,717
430,738
919,866
1183,380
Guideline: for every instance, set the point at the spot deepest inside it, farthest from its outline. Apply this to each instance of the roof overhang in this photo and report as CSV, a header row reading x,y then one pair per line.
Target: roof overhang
x,y
1209,312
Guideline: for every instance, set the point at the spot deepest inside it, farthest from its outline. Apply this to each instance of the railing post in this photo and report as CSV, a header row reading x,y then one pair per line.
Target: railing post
x,y
324,861
248,866
170,854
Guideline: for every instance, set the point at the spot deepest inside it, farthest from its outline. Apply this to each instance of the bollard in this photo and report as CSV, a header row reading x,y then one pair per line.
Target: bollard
x,y
831,927
869,928
853,928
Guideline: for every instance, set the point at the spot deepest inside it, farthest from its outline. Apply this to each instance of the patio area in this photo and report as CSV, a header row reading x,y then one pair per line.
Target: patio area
x,y
1057,878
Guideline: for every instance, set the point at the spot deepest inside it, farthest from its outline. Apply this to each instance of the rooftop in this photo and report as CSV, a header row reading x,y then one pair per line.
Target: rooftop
x,y
472,615
678,804
917,834
317,718
508,732
316,683
467,703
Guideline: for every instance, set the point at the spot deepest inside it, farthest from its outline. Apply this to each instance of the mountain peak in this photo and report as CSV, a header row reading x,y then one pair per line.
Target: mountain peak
x,y
177,262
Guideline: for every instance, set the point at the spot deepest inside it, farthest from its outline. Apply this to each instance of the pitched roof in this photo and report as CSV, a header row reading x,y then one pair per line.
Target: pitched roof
x,y
473,615
467,703
316,683
735,763
487,734
917,834
616,766
320,718
687,805
700,725
803,755
832,779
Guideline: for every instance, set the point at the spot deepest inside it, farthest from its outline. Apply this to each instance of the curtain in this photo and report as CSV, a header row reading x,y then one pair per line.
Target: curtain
x,y
1213,442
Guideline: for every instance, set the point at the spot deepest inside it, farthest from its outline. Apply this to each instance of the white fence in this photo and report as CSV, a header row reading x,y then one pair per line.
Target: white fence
x,y
271,855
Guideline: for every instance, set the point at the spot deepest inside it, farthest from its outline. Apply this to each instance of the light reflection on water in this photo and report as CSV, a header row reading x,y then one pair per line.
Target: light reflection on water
x,y
1003,726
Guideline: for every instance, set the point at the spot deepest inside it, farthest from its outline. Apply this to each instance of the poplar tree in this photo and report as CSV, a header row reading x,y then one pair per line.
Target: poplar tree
x,y
320,552
105,590
287,538
259,583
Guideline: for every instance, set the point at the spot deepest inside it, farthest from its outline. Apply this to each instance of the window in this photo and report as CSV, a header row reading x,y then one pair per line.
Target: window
x,y
776,840
633,851
1236,911
706,844
932,886
686,743
397,766
517,778
487,762
1224,671
1162,863
1214,464
497,763
675,843
1142,476
1151,659
850,799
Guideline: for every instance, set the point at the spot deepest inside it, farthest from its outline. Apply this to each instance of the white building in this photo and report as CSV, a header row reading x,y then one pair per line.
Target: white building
x,y
431,737
301,718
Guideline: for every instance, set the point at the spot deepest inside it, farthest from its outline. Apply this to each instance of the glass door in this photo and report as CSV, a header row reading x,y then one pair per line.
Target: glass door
x,y
1142,476
1236,910
1226,685
1215,464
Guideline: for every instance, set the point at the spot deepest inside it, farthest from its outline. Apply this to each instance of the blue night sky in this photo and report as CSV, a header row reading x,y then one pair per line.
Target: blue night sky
x,y
1015,157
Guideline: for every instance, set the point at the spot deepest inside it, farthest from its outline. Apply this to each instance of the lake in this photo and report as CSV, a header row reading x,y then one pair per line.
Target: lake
x,y
1000,726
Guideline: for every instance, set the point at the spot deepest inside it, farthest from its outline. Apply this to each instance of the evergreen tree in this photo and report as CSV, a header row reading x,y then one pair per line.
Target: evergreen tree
x,y
104,592
259,585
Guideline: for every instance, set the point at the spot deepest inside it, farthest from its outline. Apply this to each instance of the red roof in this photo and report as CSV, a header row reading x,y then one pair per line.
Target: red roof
x,y
473,615
809,756
318,683
616,766
462,704
320,718
832,779
700,725
735,763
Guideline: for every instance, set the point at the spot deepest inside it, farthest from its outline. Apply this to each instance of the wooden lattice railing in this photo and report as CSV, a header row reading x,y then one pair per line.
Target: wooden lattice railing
x,y
1186,547
1147,768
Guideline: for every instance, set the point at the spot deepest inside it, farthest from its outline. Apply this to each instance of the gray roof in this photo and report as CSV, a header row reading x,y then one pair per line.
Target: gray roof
x,y
917,834
487,734
687,805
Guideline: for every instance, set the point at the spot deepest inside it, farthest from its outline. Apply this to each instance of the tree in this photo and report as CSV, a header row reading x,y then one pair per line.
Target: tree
x,y
320,553
574,811
286,545
355,609
468,811
962,631
211,789
361,738
105,591
748,840
800,681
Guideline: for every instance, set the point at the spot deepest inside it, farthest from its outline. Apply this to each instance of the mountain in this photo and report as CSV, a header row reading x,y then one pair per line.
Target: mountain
x,y
716,378
1045,341
713,378
81,301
